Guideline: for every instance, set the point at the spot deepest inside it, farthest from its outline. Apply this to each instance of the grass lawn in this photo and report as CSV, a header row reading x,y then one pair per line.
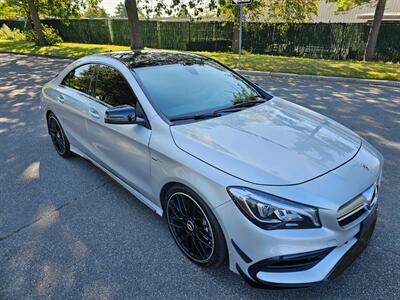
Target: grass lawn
x,y
64,49
311,66
259,62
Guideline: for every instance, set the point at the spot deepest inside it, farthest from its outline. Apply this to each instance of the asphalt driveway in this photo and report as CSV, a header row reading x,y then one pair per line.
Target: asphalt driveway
x,y
68,231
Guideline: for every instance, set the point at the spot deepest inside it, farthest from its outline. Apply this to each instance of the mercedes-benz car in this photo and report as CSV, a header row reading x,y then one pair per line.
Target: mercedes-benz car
x,y
287,197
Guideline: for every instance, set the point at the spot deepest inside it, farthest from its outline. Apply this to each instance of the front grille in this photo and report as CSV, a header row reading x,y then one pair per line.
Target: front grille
x,y
352,218
357,207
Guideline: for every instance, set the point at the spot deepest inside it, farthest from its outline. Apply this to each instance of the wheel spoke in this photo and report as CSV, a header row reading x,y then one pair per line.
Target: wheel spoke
x,y
200,248
184,204
62,146
53,126
204,239
187,241
177,219
179,226
57,141
181,206
175,210
177,223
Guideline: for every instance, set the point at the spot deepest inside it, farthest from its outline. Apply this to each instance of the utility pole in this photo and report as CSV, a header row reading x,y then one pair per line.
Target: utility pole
x,y
240,3
240,32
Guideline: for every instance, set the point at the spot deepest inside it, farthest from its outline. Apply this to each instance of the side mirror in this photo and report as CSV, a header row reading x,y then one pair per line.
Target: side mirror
x,y
124,114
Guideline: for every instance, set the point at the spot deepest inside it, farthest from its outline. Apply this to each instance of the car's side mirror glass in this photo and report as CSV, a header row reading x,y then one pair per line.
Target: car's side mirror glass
x,y
124,114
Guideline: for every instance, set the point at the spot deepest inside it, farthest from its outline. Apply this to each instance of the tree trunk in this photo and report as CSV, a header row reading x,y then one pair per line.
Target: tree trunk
x,y
235,39
29,23
134,24
37,26
235,30
374,32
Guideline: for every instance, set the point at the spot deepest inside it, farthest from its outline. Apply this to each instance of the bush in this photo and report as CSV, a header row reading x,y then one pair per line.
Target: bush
x,y
50,34
7,34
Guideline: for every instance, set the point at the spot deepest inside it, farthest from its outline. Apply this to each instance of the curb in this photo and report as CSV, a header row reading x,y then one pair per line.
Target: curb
x,y
378,82
40,55
323,78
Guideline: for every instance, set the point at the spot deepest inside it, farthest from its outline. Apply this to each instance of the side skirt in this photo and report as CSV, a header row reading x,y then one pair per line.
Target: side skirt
x,y
133,191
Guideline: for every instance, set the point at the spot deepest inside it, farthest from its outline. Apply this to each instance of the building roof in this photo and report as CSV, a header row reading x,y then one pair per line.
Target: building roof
x,y
360,14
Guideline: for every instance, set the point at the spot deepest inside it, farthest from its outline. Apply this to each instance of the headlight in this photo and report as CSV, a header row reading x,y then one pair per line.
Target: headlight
x,y
272,212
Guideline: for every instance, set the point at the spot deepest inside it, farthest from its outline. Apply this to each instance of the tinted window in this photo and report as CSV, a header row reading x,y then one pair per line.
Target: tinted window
x,y
193,87
80,78
112,88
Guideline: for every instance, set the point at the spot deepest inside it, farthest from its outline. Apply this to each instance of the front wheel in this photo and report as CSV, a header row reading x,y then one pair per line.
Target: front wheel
x,y
194,227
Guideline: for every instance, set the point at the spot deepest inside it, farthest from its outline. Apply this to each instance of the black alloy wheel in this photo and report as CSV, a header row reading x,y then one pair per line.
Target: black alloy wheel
x,y
190,227
58,137
194,227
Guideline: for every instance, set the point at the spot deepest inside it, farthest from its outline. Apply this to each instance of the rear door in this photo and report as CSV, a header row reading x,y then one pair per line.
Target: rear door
x,y
122,149
73,104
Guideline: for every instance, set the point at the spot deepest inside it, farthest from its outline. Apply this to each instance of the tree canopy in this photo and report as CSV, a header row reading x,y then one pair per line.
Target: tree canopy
x,y
120,11
259,10
343,5
55,8
7,10
95,11
271,10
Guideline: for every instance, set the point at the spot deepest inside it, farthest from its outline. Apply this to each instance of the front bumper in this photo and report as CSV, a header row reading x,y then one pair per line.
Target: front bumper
x,y
313,268
291,258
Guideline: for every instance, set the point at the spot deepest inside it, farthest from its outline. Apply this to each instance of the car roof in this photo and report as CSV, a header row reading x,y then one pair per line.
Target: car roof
x,y
148,58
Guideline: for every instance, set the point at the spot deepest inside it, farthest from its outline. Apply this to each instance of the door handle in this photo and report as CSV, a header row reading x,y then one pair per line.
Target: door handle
x,y
61,98
94,113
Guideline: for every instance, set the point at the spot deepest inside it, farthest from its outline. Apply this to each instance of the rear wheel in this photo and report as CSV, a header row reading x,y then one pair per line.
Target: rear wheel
x,y
58,137
194,227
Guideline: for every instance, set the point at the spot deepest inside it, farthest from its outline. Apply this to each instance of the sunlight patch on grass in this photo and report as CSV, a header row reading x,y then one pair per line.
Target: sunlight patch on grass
x,y
257,62
64,49
299,65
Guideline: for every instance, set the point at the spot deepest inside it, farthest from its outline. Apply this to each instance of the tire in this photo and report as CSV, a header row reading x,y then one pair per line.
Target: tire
x,y
58,137
194,227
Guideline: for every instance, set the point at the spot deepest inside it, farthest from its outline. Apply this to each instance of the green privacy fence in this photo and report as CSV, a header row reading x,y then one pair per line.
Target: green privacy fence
x,y
211,36
388,47
336,41
322,40
13,24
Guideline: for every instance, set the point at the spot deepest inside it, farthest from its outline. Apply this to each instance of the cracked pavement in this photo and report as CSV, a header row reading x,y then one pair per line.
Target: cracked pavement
x,y
68,231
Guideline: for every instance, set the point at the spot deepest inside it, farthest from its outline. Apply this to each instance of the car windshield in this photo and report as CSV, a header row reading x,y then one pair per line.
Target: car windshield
x,y
185,89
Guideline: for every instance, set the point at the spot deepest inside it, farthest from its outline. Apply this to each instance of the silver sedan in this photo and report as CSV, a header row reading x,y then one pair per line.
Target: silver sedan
x,y
286,196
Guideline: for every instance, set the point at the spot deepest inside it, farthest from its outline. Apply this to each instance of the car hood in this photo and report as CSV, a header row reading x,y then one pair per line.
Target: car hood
x,y
275,143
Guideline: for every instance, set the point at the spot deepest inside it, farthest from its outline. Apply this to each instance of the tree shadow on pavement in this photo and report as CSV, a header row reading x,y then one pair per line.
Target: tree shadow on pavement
x,y
67,231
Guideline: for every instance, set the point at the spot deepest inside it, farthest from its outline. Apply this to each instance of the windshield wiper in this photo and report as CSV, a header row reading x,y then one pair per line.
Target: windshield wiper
x,y
196,117
238,106
217,113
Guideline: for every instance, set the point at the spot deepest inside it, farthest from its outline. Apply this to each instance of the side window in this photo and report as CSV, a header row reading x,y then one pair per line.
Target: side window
x,y
80,78
112,88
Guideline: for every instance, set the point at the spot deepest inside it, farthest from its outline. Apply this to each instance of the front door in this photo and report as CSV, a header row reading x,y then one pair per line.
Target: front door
x,y
120,148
